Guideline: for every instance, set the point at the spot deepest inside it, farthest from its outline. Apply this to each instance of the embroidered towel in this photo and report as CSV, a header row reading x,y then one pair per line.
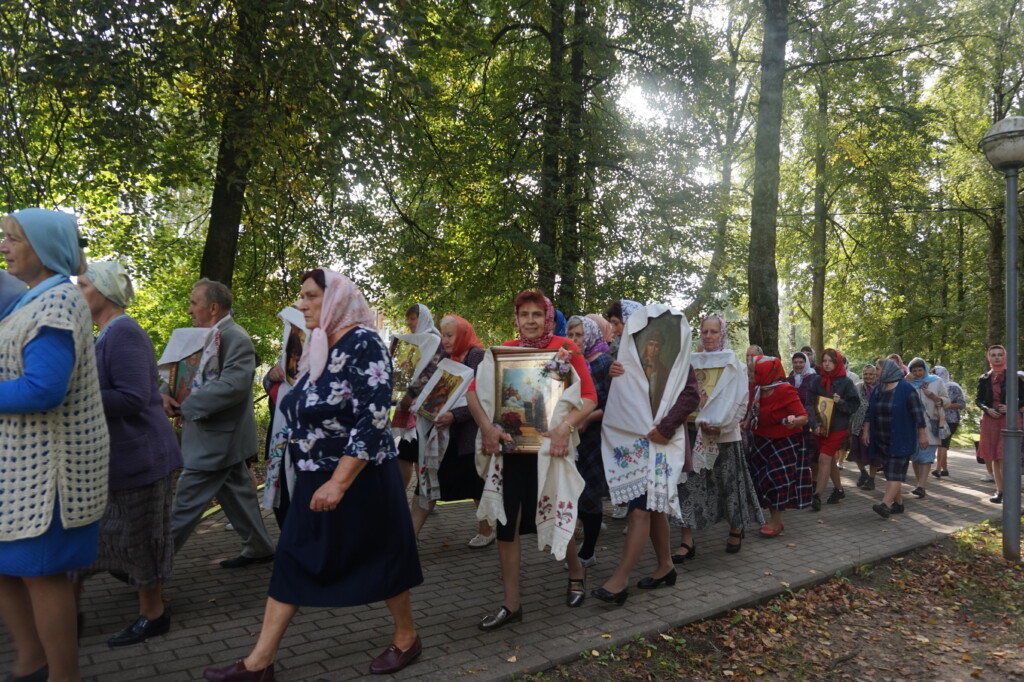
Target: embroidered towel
x,y
724,406
403,424
433,442
559,484
634,465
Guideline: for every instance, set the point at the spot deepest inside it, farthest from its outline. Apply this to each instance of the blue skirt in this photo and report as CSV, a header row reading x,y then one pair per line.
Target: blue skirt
x,y
58,550
363,551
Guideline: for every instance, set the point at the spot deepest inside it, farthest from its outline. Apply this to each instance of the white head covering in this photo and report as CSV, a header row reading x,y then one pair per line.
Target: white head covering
x,y
425,322
112,280
343,306
808,370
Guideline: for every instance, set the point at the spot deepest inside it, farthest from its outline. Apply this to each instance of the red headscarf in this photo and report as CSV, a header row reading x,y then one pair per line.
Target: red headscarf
x,y
838,371
768,371
535,296
465,336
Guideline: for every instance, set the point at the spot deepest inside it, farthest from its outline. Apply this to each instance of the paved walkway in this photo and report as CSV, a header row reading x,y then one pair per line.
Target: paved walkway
x,y
216,613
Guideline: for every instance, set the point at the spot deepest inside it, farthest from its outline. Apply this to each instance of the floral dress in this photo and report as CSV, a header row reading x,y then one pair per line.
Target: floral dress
x,y
364,550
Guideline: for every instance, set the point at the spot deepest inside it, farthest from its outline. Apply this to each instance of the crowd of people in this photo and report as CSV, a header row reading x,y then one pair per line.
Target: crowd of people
x,y
677,438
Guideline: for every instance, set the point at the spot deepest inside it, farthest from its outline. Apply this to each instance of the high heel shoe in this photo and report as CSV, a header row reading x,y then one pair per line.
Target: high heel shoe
x,y
650,583
734,549
691,551
576,591
610,597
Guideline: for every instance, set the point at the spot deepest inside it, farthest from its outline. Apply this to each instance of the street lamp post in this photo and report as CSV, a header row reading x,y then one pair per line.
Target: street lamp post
x,y
1003,144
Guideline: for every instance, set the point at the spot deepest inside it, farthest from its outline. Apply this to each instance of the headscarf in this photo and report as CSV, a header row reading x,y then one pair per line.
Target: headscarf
x,y
425,322
593,340
628,308
942,373
838,371
807,371
112,280
607,333
724,339
997,372
53,235
891,372
549,328
561,327
768,372
343,306
465,337
899,361
926,379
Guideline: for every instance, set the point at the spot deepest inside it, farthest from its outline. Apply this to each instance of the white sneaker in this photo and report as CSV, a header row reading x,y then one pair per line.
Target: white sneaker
x,y
987,478
479,541
620,512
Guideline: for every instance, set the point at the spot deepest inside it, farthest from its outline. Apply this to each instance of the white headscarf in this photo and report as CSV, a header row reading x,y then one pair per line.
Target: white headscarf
x,y
425,322
808,371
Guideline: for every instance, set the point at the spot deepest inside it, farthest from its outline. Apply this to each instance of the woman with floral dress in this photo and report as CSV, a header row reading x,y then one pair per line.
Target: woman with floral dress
x,y
347,539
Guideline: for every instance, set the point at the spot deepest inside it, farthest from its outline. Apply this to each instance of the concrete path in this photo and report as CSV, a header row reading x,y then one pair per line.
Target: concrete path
x,y
216,612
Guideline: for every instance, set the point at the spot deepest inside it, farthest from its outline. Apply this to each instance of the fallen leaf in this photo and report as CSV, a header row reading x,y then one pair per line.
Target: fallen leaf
x,y
511,659
606,636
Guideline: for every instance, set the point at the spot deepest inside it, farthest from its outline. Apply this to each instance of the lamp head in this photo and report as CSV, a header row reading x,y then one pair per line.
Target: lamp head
x,y
1003,144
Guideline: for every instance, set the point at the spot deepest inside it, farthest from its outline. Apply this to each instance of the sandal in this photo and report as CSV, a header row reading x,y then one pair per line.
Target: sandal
x,y
576,591
731,548
691,551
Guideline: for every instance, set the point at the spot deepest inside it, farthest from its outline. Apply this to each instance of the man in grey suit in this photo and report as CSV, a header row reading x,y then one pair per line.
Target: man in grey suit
x,y
219,431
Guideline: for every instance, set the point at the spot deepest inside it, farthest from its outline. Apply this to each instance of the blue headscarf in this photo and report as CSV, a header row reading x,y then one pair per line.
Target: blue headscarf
x,y
54,237
926,379
561,326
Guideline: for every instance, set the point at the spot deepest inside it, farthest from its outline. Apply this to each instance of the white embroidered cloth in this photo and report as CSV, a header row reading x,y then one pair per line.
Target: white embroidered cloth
x,y
634,465
433,442
427,342
559,484
723,407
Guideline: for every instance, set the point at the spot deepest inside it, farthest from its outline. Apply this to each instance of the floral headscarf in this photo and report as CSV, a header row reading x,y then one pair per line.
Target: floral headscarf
x,y
549,327
465,336
628,308
343,306
593,340
723,341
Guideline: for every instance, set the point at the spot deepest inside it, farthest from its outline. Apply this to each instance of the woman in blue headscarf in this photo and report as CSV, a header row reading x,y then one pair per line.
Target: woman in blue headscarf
x,y
53,444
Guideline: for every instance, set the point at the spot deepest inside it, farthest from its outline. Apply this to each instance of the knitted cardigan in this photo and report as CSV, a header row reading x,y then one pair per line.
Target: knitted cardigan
x,y
64,450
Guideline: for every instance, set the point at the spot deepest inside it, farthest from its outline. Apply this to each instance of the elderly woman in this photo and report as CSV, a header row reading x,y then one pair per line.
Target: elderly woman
x,y
347,538
860,455
831,384
585,333
935,398
895,429
535,322
55,446
135,531
957,402
780,474
991,398
419,321
725,491
457,475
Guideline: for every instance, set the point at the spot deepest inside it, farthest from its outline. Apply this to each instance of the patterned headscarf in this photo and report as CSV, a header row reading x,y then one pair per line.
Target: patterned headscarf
x,y
112,280
723,341
343,306
425,322
607,333
891,372
593,341
807,371
838,371
53,235
549,327
465,336
628,308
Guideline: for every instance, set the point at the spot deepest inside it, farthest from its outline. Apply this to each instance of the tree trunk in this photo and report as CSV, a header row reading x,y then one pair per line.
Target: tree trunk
x,y
995,328
762,275
238,139
819,238
550,179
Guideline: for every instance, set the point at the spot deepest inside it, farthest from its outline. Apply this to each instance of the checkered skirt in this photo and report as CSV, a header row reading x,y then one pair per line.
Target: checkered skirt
x,y
780,472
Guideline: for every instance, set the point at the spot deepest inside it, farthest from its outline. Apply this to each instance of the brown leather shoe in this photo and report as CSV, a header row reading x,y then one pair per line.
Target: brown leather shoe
x,y
394,659
237,672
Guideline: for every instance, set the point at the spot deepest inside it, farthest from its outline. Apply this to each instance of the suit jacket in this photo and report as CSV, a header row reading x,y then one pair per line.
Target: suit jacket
x,y
219,422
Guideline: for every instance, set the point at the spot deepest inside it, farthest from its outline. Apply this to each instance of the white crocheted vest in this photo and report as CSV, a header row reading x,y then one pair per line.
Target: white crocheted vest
x,y
64,450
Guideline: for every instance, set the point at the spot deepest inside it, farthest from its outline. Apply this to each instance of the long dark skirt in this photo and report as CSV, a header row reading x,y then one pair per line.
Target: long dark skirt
x,y
135,536
781,476
519,496
361,552
862,455
458,477
723,493
591,468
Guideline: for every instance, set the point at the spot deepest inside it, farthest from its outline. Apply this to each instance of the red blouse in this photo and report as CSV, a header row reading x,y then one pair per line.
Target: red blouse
x,y
783,401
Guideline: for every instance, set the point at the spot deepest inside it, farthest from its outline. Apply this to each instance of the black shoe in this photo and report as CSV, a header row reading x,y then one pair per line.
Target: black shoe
x,y
650,583
919,491
120,575
502,617
735,549
241,561
945,472
881,510
816,502
870,484
40,675
837,495
691,551
998,499
610,597
897,508
863,479
937,474
141,630
576,591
